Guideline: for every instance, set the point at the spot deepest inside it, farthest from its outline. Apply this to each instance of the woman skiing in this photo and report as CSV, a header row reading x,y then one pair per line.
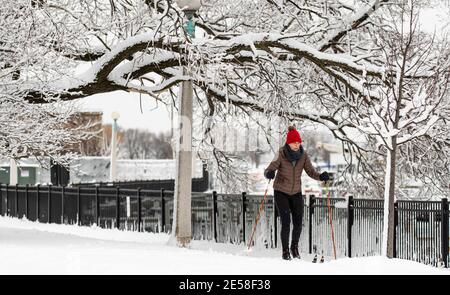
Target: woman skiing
x,y
290,161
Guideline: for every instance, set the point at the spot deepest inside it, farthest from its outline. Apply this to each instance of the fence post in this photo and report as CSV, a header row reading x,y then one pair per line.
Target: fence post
x,y
97,207
78,206
214,195
350,217
16,188
244,209
26,201
139,208
7,199
62,204
395,227
37,202
1,200
444,231
117,208
163,211
49,204
312,201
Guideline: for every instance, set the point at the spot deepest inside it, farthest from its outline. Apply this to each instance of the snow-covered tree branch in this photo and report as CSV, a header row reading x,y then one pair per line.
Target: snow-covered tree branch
x,y
365,71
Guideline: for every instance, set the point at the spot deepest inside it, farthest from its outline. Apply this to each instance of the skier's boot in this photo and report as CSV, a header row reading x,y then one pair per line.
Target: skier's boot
x,y
294,250
286,254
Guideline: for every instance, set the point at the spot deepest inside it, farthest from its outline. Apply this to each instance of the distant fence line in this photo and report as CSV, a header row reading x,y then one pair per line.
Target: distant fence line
x,y
198,184
421,227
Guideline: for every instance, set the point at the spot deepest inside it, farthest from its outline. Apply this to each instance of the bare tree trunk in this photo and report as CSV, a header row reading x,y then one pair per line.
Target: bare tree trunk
x,y
389,200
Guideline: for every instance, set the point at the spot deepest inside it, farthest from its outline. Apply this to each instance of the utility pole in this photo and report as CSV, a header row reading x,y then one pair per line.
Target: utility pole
x,y
113,168
183,179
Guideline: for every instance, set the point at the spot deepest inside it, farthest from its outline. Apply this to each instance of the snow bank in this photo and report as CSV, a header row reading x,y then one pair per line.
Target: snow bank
x,y
33,248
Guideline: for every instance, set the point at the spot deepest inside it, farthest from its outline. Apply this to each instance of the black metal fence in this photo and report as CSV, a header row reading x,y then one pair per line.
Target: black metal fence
x,y
198,184
421,231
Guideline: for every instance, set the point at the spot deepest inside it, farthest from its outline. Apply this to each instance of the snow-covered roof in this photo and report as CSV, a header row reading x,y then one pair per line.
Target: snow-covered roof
x,y
96,169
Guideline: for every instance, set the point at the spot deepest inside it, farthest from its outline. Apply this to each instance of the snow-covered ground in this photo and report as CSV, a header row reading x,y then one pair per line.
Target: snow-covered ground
x,y
32,248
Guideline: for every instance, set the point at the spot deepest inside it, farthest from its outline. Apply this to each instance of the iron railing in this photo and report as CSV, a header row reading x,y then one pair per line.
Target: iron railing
x,y
421,227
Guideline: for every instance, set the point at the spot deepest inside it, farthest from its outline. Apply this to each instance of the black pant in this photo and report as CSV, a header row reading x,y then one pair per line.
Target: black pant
x,y
287,205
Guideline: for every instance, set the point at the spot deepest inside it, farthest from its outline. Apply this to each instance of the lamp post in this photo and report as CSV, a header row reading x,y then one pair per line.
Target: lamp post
x,y
189,8
113,168
183,179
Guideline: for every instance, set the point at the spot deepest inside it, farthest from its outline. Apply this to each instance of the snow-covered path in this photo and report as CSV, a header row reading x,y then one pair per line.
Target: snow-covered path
x,y
33,248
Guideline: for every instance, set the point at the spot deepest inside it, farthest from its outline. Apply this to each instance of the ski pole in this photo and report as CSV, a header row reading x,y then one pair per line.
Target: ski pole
x,y
330,218
261,207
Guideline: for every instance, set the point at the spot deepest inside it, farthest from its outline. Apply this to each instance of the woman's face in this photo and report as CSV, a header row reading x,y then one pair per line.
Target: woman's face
x,y
295,146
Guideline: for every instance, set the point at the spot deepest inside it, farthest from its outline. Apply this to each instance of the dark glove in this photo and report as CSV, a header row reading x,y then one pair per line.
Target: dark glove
x,y
270,174
324,176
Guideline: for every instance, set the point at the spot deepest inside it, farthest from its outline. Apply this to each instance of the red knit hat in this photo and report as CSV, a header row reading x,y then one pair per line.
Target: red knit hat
x,y
293,135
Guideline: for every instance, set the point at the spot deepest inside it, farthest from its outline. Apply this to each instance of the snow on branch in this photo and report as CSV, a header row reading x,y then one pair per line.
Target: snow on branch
x,y
352,23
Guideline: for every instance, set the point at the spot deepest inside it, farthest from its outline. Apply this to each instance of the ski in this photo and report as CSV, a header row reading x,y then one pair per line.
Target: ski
x,y
322,259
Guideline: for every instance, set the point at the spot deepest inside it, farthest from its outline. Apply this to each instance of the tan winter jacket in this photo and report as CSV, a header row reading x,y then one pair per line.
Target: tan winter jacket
x,y
288,177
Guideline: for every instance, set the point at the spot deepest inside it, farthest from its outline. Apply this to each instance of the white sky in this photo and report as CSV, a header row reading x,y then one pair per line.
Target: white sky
x,y
436,19
154,117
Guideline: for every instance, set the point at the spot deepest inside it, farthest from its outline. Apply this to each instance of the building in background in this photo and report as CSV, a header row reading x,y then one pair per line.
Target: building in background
x,y
96,170
30,171
91,124
87,122
93,163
